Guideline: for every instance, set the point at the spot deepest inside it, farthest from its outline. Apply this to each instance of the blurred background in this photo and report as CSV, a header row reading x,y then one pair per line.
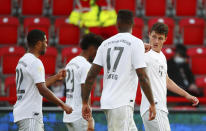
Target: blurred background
x,y
65,21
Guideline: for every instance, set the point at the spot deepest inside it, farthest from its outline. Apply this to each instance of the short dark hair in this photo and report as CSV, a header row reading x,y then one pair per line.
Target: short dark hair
x,y
160,28
34,36
125,17
90,40
181,50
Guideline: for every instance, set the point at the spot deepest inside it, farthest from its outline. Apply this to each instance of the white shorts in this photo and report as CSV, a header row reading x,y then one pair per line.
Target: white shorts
x,y
79,125
30,124
120,119
160,123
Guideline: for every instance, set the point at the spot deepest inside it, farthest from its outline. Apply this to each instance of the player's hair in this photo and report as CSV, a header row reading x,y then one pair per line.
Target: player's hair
x,y
160,28
34,36
90,40
125,20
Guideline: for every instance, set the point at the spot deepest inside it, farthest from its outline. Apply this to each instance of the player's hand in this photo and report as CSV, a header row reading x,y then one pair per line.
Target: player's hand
x,y
67,109
90,124
86,112
193,99
152,112
61,74
147,47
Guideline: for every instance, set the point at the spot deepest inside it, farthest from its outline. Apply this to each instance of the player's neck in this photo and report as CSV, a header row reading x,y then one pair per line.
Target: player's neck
x,y
34,52
84,54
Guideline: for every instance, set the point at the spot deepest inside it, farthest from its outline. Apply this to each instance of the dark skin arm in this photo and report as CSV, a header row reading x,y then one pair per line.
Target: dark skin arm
x,y
90,121
145,85
52,79
45,92
91,76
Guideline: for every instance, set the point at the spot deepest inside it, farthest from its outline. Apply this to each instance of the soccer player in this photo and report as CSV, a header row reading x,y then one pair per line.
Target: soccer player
x,y
77,70
31,85
122,58
160,81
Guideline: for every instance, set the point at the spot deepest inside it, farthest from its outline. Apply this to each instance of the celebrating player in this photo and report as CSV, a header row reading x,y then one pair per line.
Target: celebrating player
x,y
160,81
122,57
31,85
77,70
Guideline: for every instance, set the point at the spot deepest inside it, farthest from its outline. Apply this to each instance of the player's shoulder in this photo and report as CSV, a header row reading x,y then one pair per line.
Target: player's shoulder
x,y
78,61
30,59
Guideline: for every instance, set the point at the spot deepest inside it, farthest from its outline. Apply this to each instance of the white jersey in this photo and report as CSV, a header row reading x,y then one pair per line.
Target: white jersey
x,y
120,55
157,72
77,70
29,71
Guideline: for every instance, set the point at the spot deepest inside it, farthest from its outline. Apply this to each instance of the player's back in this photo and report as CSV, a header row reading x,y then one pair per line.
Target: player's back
x,y
29,71
118,56
77,70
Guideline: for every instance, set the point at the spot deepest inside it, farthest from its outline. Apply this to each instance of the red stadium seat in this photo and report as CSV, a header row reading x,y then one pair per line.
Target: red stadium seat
x,y
168,52
40,23
10,58
185,8
62,7
105,32
49,60
8,30
201,83
125,4
155,7
192,31
168,21
198,60
10,89
108,31
32,7
5,7
66,33
138,27
69,53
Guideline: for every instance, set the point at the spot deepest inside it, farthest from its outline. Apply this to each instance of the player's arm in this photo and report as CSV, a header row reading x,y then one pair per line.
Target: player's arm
x,y
92,74
145,85
59,76
90,121
45,92
173,87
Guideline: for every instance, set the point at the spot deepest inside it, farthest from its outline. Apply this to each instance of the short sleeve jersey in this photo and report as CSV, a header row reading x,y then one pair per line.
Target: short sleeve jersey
x,y
29,72
157,73
120,56
77,70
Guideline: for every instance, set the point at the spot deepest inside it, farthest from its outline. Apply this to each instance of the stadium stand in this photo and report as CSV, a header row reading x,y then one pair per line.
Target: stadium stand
x,y
69,53
10,58
66,34
41,23
9,30
125,4
31,7
10,89
5,7
168,52
55,25
155,7
201,83
171,24
61,7
183,8
198,60
138,27
49,60
192,31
